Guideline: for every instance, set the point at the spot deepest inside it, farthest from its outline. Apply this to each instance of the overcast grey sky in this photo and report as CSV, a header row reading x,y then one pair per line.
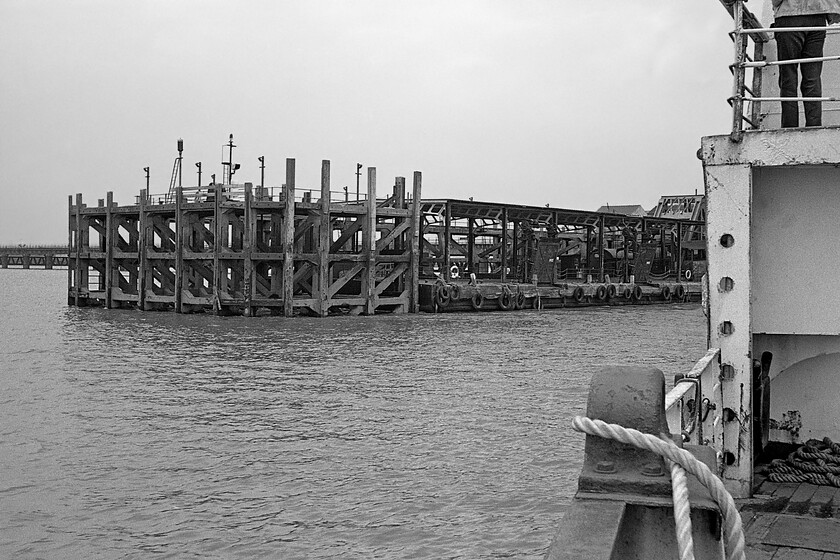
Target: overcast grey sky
x,y
570,103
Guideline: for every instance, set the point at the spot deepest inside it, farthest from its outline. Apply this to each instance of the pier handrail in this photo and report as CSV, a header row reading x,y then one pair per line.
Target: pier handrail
x,y
748,27
686,398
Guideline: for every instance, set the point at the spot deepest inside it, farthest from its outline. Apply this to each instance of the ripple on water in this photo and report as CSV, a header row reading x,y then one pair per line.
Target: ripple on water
x,y
128,434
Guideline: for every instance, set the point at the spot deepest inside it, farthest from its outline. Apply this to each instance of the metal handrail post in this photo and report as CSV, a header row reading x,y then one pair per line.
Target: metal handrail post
x,y
758,56
739,72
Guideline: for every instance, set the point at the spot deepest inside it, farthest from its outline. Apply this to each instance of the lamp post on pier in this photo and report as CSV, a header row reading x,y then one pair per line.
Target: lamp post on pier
x,y
198,164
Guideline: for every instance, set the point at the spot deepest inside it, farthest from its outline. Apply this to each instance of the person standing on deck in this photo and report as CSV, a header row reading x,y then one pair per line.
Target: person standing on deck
x,y
802,44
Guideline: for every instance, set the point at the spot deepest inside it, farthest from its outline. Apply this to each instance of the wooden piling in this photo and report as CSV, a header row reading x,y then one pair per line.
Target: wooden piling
x,y
414,277
142,243
288,239
110,236
78,263
369,244
179,249
250,223
324,241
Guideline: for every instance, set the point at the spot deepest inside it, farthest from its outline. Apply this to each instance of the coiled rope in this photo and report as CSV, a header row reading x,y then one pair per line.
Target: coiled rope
x,y
817,462
732,527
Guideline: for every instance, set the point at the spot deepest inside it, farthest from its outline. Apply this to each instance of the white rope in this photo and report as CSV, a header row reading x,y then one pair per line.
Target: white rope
x,y
682,511
732,527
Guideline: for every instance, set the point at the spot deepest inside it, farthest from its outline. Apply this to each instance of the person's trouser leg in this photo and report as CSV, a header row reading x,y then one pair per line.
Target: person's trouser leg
x,y
811,83
789,47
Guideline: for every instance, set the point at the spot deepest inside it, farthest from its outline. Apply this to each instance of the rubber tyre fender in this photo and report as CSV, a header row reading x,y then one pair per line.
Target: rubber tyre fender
x,y
519,300
577,295
442,295
506,301
600,293
627,293
666,293
454,292
636,295
477,300
536,303
679,292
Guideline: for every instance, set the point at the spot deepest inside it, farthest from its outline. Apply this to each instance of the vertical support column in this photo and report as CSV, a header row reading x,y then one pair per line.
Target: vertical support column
x,y
78,266
288,240
447,241
758,56
503,253
471,244
217,247
601,241
399,202
400,242
679,251
110,242
416,251
514,266
369,244
739,72
730,425
71,248
180,239
588,250
324,241
142,241
248,242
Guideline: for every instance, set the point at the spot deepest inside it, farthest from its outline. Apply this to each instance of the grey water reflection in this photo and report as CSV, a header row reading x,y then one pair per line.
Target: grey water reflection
x,y
432,436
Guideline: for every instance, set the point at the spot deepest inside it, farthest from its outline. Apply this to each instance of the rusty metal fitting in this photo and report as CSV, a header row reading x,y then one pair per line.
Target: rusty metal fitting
x,y
652,469
605,467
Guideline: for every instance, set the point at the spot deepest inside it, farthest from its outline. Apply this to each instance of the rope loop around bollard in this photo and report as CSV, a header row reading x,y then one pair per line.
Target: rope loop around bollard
x,y
732,526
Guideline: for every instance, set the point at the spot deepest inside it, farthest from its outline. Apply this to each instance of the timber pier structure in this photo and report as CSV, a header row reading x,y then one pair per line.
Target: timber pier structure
x,y
247,249
237,249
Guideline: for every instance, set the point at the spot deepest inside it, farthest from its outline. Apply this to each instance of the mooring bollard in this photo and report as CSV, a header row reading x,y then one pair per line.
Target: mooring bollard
x,y
623,506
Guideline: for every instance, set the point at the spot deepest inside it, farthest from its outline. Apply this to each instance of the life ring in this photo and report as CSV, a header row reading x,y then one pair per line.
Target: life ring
x,y
637,293
578,294
454,292
519,300
477,301
536,303
679,292
688,274
601,293
611,291
506,301
666,293
454,271
442,295
626,293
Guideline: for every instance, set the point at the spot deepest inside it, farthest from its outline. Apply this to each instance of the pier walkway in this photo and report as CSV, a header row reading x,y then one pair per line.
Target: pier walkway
x,y
33,256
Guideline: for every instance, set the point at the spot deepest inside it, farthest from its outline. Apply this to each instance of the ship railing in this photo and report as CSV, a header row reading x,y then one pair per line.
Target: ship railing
x,y
686,408
749,29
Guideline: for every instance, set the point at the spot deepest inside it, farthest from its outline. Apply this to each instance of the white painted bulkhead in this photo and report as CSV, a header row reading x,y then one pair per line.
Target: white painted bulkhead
x,y
795,307
777,193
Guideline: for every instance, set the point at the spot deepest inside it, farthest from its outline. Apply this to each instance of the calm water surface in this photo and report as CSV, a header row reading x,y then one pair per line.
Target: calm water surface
x,y
134,435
